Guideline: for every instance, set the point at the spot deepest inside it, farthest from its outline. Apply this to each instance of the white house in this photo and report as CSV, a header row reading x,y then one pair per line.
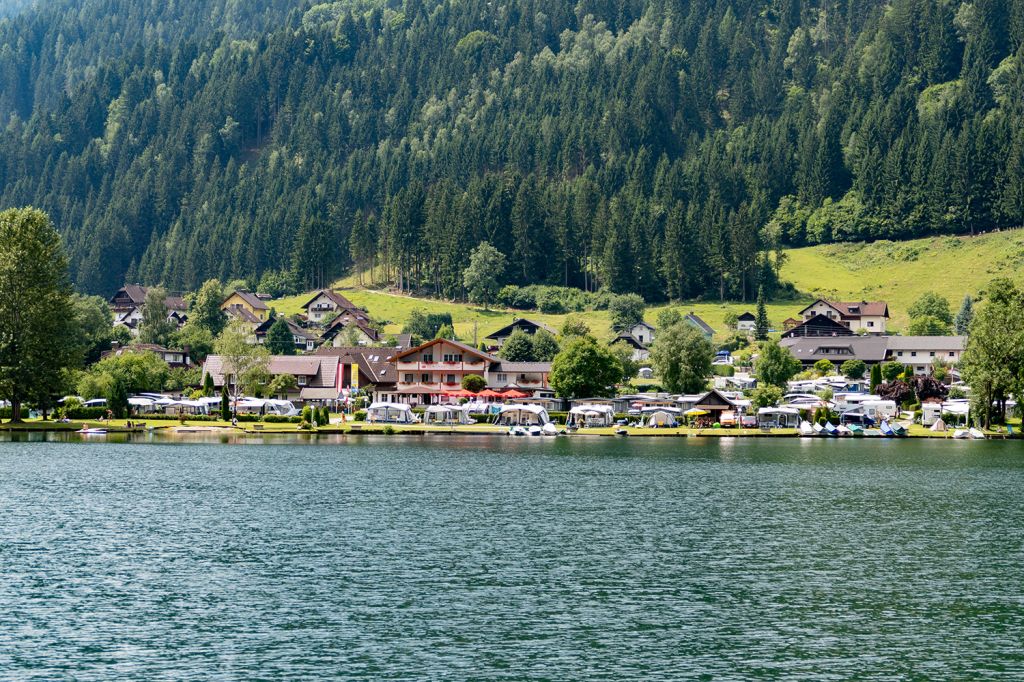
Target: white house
x,y
870,316
746,322
920,352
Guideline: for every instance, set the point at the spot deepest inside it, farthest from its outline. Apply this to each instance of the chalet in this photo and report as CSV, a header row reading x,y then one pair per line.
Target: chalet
x,y
713,402
639,338
747,322
522,324
426,373
920,352
129,300
789,323
316,377
365,369
699,324
818,326
304,339
836,349
869,316
246,305
327,303
173,357
338,330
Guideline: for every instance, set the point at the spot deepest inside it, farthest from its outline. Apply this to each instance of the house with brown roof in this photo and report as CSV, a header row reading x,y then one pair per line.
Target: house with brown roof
x,y
253,307
870,316
128,301
316,376
305,339
427,373
337,331
366,369
818,325
326,303
519,323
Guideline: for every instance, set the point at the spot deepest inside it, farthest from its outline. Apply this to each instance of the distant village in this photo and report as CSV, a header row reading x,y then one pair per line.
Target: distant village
x,y
343,361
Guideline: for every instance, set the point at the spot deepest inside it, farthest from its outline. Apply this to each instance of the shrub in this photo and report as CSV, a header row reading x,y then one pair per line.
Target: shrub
x,y
723,370
307,414
550,302
281,419
359,416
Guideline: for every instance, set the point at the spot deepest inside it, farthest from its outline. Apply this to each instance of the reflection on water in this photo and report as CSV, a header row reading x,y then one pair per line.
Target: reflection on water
x,y
385,557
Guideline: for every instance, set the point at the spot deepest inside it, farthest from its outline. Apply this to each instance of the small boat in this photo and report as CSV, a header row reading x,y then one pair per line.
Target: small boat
x,y
886,429
819,430
844,430
621,432
92,431
516,431
976,434
855,429
535,430
806,429
899,430
960,434
830,429
550,429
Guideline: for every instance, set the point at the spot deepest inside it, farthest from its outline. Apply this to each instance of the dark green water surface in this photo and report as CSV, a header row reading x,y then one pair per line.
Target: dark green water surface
x,y
501,558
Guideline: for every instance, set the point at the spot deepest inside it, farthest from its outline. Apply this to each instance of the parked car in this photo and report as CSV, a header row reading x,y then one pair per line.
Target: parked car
x,y
748,421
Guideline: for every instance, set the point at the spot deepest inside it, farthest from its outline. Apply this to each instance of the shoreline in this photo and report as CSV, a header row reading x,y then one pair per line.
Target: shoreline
x,y
255,429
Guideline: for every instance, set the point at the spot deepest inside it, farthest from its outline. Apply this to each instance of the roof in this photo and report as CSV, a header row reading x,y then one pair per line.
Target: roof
x,y
309,393
641,323
528,326
506,367
254,301
701,324
819,325
458,344
854,309
345,321
810,349
747,316
323,370
335,298
927,343
714,398
371,360
243,314
136,293
626,337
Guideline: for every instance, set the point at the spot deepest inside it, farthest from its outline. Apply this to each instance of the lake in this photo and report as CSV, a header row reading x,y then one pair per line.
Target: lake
x,y
501,558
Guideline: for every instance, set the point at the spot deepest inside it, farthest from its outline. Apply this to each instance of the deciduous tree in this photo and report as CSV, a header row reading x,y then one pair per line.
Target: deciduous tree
x,y
584,368
682,357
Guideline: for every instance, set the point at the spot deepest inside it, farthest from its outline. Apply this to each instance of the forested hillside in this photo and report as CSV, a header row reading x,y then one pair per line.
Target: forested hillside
x,y
666,148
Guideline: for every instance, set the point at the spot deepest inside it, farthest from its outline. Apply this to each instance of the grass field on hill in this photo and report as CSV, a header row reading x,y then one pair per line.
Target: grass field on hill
x,y
899,272
896,272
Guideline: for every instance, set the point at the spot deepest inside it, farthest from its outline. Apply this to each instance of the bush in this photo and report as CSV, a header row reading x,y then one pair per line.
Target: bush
x,y
723,370
85,412
281,419
359,416
550,302
307,414
161,417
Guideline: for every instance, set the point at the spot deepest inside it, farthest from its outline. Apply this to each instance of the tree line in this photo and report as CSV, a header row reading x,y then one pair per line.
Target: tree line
x,y
632,146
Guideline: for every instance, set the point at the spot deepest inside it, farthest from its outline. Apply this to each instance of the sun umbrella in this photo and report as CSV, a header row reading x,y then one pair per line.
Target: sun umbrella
x,y
461,393
488,393
515,394
695,412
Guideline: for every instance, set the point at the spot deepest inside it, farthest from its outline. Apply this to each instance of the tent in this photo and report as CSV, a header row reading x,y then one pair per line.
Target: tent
x,y
778,417
660,417
446,414
520,415
390,413
939,425
591,415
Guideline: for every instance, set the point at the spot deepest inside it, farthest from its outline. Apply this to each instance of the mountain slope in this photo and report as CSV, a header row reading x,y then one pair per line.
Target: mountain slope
x,y
641,145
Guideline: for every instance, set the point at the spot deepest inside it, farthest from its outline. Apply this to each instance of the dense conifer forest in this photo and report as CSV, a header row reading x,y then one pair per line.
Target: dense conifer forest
x,y
661,147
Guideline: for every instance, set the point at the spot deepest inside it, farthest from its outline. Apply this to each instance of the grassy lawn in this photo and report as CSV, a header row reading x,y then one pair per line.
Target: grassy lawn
x,y
899,272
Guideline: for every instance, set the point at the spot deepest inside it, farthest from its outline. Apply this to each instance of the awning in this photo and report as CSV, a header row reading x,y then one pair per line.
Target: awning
x,y
319,394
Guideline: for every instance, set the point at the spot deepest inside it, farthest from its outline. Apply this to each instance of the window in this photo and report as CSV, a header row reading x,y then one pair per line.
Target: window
x,y
301,380
870,323
424,378
932,354
502,378
428,357
450,378
900,354
913,353
952,354
453,357
409,378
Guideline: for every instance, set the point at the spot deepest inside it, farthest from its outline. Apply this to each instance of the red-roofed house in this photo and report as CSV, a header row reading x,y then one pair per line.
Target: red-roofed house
x,y
870,316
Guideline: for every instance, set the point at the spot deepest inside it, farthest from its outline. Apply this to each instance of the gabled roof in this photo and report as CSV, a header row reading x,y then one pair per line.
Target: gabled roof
x,y
819,325
699,323
344,321
714,398
334,297
244,315
458,344
528,326
254,301
323,371
747,316
642,323
837,348
626,337
136,293
372,361
852,310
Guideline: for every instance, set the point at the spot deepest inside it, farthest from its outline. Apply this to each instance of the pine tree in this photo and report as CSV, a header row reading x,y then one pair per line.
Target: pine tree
x,y
962,322
761,326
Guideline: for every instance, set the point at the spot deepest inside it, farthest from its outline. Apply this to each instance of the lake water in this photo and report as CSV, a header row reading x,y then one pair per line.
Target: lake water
x,y
500,558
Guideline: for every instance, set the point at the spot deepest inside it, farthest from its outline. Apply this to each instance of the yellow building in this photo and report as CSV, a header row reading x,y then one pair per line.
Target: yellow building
x,y
248,302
